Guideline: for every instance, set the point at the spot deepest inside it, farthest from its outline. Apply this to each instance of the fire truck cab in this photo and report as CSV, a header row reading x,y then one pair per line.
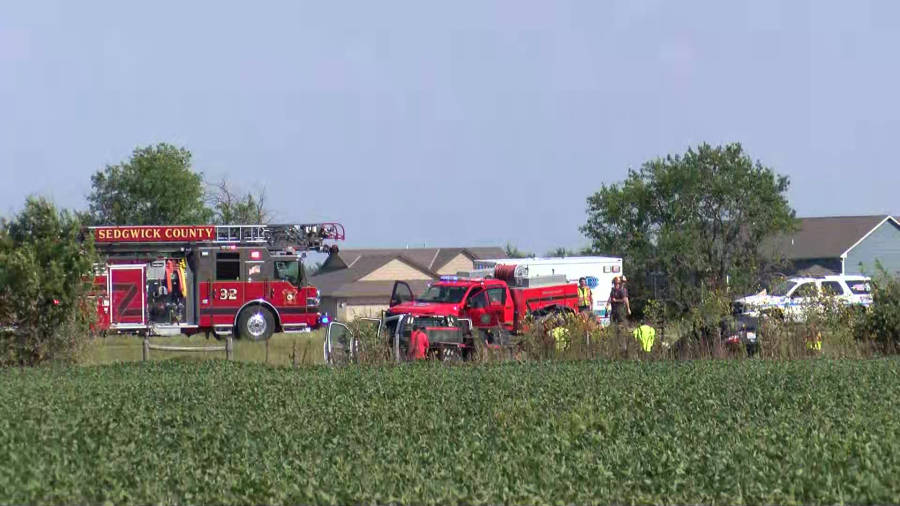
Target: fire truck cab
x,y
246,280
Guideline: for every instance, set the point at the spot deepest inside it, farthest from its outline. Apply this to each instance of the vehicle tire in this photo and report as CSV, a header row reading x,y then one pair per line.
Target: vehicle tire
x,y
256,323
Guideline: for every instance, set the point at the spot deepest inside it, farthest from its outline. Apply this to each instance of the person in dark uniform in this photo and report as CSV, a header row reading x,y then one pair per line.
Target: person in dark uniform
x,y
617,300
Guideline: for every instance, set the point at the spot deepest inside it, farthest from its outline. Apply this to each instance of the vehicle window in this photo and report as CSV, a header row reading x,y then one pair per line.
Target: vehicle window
x,y
434,321
832,288
860,287
497,296
288,271
782,289
443,293
805,290
228,266
478,301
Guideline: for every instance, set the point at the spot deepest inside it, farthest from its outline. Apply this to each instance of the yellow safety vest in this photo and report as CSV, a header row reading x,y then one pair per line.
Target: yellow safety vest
x,y
584,296
646,335
814,344
561,336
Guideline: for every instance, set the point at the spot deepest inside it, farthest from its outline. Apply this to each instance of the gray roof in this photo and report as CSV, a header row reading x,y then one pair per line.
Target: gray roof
x,y
825,237
341,272
429,258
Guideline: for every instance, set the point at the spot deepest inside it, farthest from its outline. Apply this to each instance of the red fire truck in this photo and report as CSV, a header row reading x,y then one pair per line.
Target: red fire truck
x,y
498,301
246,280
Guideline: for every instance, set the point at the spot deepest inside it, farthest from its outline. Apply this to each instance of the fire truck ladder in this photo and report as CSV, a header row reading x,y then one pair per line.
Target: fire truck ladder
x,y
304,236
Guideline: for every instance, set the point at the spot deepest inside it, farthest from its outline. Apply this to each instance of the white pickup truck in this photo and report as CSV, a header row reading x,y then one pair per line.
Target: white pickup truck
x,y
791,295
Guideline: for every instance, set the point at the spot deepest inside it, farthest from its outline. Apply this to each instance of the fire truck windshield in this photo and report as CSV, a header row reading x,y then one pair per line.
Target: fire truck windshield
x,y
443,294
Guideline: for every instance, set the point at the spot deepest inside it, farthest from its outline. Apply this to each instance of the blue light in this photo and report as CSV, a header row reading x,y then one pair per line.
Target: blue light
x,y
449,278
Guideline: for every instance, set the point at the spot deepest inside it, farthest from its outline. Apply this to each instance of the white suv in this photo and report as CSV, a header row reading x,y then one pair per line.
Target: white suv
x,y
790,295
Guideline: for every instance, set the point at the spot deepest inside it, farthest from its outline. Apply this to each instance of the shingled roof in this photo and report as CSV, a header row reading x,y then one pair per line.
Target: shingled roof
x,y
826,237
429,258
341,273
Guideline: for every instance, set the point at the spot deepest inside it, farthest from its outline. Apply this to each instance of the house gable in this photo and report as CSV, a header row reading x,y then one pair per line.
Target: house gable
x,y
461,262
396,269
882,244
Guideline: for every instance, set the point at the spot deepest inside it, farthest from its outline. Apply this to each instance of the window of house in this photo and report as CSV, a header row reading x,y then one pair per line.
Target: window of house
x,y
228,266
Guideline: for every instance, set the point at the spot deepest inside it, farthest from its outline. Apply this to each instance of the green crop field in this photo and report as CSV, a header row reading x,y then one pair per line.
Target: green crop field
x,y
213,432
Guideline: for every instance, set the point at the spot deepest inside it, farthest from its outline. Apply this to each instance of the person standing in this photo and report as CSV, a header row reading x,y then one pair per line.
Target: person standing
x,y
585,297
418,343
624,281
616,301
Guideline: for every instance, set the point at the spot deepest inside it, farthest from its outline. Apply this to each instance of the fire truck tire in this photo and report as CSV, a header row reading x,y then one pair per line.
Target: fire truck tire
x,y
256,323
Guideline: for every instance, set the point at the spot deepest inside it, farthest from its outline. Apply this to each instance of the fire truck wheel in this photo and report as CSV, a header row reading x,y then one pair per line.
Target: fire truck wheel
x,y
256,323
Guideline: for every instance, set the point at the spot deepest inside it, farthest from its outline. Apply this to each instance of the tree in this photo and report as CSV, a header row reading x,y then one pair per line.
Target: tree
x,y
155,187
560,252
513,252
700,220
46,270
232,207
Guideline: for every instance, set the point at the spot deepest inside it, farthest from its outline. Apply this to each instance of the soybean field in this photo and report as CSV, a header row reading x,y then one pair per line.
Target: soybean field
x,y
214,432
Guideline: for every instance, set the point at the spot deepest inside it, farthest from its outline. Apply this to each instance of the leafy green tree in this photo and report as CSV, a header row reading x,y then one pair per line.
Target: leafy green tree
x,y
700,220
46,270
156,186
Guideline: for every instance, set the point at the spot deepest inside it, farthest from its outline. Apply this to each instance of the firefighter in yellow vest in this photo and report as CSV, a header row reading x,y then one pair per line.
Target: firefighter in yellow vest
x,y
646,335
813,339
585,297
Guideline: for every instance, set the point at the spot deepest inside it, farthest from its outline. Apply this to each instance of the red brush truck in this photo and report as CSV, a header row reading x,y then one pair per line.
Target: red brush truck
x,y
498,302
243,279
496,305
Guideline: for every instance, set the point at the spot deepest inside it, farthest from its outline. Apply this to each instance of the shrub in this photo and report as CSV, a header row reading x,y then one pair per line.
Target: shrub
x,y
879,325
45,275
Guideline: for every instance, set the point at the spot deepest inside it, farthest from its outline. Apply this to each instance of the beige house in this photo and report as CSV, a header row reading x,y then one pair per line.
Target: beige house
x,y
358,282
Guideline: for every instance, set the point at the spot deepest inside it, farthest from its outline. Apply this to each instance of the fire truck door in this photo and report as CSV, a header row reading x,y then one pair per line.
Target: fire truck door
x,y
227,289
401,293
498,305
477,309
127,293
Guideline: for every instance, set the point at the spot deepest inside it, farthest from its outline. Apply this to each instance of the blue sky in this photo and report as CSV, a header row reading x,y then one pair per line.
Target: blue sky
x,y
451,123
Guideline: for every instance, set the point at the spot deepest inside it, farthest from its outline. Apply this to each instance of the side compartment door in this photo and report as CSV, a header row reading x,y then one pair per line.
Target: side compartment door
x,y
127,289
340,344
401,293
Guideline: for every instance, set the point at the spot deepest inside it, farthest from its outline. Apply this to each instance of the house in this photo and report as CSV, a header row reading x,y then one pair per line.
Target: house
x,y
842,245
358,282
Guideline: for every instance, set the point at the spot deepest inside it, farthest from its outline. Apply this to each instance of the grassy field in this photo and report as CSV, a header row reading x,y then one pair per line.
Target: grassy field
x,y
212,432
112,349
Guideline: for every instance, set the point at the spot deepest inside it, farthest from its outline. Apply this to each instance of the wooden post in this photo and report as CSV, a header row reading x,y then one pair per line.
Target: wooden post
x,y
229,348
267,350
146,349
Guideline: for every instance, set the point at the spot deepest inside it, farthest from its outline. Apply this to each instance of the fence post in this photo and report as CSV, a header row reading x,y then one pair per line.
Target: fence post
x,y
229,348
267,350
146,349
